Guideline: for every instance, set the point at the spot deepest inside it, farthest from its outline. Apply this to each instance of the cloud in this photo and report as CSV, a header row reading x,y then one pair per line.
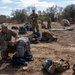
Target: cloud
x,y
36,3
6,1
8,5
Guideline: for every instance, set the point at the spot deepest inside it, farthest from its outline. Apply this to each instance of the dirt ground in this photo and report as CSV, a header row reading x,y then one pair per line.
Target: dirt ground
x,y
64,48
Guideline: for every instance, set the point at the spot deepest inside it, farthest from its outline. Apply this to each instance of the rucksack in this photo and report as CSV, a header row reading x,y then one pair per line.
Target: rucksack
x,y
34,41
14,27
44,39
36,34
55,66
46,64
23,49
73,68
61,65
48,37
22,30
23,46
34,38
28,28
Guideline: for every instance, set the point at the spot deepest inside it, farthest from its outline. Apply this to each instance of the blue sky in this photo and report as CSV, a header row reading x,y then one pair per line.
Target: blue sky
x,y
6,6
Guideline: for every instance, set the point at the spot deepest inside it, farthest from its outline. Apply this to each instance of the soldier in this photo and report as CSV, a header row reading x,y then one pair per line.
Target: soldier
x,y
34,18
5,40
49,23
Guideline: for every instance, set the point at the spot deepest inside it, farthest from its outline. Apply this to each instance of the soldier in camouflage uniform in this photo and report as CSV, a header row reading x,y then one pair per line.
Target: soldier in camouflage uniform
x,y
34,18
49,23
5,39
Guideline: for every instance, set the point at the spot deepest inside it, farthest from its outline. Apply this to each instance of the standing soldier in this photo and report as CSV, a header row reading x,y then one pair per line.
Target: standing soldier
x,y
34,18
49,23
5,40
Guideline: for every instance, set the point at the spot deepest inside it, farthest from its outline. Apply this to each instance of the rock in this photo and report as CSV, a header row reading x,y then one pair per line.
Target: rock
x,y
24,68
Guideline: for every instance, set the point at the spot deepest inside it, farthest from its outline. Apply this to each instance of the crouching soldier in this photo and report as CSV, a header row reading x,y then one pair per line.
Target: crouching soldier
x,y
5,40
23,47
23,53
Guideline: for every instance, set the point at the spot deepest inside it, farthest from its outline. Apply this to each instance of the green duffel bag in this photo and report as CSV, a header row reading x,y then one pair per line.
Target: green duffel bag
x,y
61,65
58,66
51,69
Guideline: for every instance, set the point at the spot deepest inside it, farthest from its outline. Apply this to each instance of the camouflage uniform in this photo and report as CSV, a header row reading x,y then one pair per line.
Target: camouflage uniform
x,y
49,23
5,38
23,46
34,23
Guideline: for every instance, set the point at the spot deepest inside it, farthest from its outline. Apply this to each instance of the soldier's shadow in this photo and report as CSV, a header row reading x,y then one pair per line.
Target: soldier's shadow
x,y
7,69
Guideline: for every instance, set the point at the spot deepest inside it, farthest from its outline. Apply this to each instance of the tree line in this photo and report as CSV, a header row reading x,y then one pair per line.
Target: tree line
x,y
54,12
